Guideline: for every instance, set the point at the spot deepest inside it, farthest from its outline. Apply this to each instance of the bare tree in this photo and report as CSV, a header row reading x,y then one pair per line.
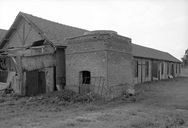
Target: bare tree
x,y
185,58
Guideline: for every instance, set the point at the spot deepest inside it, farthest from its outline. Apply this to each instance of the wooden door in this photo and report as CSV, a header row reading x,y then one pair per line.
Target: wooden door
x,y
31,83
41,82
35,82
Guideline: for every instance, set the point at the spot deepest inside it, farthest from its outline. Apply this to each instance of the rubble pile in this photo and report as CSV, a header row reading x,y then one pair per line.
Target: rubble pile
x,y
63,97
50,102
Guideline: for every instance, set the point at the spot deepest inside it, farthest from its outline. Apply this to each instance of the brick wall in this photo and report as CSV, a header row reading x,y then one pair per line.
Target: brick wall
x,y
106,56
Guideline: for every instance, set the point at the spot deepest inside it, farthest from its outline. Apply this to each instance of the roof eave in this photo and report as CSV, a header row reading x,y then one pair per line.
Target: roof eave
x,y
156,59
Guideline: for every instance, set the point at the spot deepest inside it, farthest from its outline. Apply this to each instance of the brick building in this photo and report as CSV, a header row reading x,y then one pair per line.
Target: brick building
x,y
45,56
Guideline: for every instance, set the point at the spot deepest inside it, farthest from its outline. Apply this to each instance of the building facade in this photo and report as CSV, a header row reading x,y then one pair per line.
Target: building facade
x,y
42,56
151,64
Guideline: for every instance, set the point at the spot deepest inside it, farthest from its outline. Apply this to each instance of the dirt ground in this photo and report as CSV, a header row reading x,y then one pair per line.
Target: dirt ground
x,y
162,104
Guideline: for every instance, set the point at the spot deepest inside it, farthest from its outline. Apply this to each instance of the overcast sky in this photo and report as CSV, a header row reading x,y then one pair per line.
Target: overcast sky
x,y
159,24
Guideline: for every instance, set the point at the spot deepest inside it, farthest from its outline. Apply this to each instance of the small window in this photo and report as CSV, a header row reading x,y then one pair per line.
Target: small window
x,y
147,69
85,77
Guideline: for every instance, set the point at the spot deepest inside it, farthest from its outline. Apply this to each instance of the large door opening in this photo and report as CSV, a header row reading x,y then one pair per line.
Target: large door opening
x,y
154,70
35,82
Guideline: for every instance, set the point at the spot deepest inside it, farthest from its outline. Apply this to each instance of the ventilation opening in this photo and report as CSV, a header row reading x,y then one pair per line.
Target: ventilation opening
x,y
85,77
38,43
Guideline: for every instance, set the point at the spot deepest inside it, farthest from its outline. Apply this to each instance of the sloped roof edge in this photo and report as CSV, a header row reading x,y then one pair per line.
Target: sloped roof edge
x,y
2,34
54,33
145,52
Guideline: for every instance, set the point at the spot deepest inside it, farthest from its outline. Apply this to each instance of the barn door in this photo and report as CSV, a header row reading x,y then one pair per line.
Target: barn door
x,y
41,82
35,82
31,83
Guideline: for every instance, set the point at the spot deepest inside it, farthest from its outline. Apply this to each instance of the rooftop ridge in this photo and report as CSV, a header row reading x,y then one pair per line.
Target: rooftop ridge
x,y
26,15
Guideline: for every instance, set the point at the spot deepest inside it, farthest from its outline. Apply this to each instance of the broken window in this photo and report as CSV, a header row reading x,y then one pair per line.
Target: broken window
x,y
85,77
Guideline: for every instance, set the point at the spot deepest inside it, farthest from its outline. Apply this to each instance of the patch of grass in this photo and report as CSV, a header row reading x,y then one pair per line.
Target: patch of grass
x,y
174,122
106,117
83,120
144,123
71,124
92,108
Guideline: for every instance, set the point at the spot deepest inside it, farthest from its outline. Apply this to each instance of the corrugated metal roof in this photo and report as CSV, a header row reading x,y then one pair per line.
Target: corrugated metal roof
x,y
145,52
56,33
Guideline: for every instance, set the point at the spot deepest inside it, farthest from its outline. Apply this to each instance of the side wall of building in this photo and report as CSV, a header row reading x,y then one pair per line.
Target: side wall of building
x,y
82,55
119,66
107,57
150,69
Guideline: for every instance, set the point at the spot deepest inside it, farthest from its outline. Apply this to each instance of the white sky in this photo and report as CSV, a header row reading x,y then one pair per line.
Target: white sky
x,y
159,24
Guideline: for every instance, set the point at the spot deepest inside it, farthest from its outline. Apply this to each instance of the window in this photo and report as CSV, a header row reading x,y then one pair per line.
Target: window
x,y
85,77
136,68
176,68
147,69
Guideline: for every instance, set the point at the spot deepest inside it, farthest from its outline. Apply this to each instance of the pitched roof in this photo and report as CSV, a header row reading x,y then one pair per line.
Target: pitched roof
x,y
2,33
145,52
55,32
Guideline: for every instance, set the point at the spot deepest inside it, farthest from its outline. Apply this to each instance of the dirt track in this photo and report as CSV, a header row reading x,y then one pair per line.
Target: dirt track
x,y
159,104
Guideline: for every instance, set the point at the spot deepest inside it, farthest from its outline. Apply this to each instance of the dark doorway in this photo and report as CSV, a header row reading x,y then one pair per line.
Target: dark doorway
x,y
172,69
35,82
3,76
154,69
41,82
85,77
85,81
